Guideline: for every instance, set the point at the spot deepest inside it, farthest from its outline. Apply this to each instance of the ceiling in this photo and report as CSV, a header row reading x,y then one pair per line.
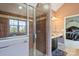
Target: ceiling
x,y
32,4
56,6
13,8
41,8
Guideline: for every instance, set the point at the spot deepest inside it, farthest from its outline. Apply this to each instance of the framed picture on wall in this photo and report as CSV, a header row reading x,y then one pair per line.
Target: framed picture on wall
x,y
71,31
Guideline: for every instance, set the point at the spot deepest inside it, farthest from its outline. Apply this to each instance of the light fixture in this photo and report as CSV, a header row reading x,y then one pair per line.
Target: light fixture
x,y
53,18
31,20
46,6
20,7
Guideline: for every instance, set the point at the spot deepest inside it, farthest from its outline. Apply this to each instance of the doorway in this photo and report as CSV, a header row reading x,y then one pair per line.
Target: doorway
x,y
37,27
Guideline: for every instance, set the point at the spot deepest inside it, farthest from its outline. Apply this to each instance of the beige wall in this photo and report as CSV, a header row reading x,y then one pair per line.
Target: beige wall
x,y
66,10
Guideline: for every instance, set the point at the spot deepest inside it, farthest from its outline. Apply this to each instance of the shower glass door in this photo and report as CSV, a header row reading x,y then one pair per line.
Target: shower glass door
x,y
37,28
32,29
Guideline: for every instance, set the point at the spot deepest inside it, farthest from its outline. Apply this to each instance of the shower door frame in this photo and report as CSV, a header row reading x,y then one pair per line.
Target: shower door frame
x,y
34,27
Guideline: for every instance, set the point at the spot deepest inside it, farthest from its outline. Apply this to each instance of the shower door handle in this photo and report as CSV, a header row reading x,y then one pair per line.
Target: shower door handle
x,y
34,37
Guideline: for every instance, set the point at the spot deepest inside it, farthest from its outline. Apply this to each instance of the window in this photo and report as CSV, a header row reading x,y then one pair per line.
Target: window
x,y
17,26
13,26
22,26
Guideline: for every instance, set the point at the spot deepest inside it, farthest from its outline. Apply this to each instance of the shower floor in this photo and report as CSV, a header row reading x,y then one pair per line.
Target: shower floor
x,y
38,53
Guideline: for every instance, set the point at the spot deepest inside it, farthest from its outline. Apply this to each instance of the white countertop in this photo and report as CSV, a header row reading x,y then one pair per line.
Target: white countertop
x,y
13,38
56,35
71,44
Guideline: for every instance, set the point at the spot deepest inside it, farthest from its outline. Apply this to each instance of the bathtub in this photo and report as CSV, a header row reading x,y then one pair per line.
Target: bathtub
x,y
14,46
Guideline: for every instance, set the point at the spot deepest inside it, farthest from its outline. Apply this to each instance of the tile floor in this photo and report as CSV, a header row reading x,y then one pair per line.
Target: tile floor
x,y
38,53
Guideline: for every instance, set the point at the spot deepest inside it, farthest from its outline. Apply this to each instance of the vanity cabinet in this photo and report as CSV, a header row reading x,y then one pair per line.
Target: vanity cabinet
x,y
54,43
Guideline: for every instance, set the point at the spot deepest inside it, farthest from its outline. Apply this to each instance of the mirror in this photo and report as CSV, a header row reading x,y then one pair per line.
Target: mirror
x,y
72,31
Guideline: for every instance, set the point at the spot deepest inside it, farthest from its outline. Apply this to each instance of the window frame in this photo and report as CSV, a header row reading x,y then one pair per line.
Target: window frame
x,y
18,26
22,25
12,25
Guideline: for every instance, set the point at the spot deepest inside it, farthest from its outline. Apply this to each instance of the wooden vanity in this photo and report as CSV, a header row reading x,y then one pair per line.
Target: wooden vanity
x,y
55,41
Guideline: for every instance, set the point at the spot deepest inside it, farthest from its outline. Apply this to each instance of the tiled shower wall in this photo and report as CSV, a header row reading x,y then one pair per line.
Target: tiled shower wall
x,y
3,27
